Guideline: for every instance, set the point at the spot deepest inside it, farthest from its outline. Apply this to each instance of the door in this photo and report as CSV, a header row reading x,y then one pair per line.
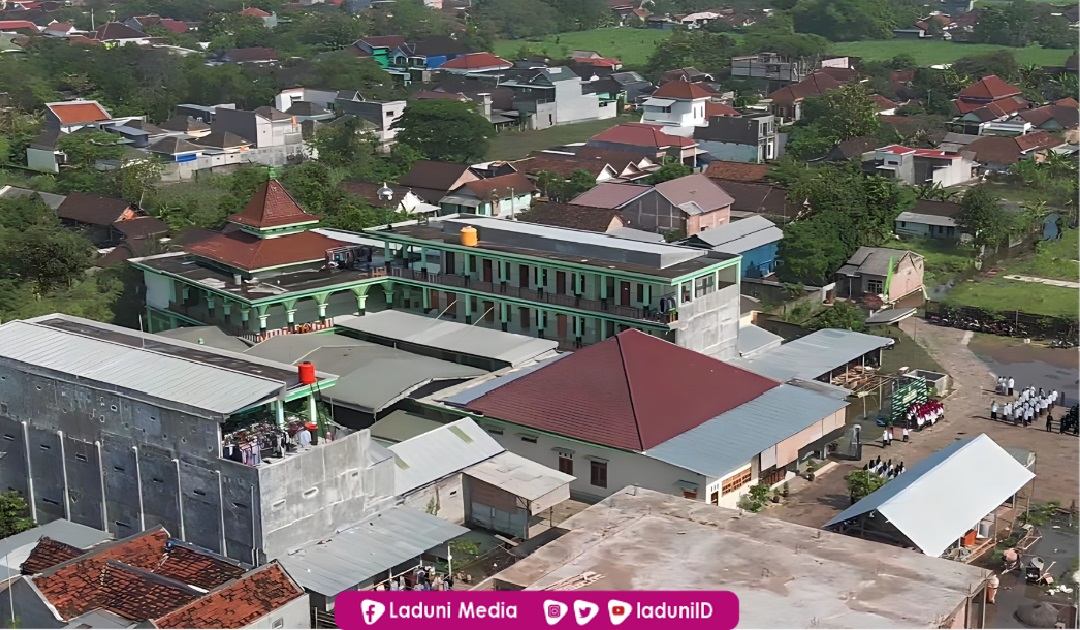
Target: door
x,y
560,325
489,312
487,271
625,293
524,317
560,282
435,299
523,276
451,263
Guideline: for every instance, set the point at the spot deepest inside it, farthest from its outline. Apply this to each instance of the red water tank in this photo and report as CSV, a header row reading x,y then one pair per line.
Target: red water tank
x,y
307,372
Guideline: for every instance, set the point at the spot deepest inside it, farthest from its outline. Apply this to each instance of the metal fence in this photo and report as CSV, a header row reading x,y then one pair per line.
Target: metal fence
x,y
1004,323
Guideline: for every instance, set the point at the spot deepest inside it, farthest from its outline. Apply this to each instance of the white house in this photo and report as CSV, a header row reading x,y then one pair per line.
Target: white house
x,y
677,104
606,415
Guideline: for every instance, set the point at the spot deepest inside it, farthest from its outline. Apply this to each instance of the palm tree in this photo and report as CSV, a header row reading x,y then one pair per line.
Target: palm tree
x,y
1031,76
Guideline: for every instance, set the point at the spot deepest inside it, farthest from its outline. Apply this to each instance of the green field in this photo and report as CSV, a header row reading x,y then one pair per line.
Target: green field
x,y
632,46
513,145
1000,294
944,259
1052,259
928,53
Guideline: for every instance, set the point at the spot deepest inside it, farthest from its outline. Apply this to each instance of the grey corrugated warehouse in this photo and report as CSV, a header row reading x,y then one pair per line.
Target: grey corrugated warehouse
x,y
785,575
816,356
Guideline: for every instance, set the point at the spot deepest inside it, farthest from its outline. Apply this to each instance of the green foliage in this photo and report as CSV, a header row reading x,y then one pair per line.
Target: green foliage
x,y
853,20
839,315
444,130
755,499
863,483
833,117
85,150
777,34
14,514
667,172
1020,23
983,218
709,52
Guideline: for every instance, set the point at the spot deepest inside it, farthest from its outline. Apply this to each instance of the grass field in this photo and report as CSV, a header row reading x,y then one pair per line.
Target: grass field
x,y
944,259
1006,295
512,145
1052,259
632,46
937,51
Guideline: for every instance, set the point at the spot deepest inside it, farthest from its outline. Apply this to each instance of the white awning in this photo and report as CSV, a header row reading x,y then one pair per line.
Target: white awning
x,y
659,102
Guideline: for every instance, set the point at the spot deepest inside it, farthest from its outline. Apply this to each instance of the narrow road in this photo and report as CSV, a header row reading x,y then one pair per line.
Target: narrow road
x,y
967,414
1055,283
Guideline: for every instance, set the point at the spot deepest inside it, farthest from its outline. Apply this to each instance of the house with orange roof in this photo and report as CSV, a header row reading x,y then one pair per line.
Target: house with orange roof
x,y
678,104
268,19
787,101
474,63
988,101
653,140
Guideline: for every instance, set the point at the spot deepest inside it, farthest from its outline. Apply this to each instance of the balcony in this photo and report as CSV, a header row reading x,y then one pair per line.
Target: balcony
x,y
536,295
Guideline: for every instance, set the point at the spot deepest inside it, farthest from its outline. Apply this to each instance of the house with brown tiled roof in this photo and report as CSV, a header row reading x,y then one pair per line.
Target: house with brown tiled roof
x,y
268,19
988,100
567,215
650,139
108,221
998,153
502,196
612,422
565,165
150,578
737,171
1062,116
677,104
787,101
683,206
117,34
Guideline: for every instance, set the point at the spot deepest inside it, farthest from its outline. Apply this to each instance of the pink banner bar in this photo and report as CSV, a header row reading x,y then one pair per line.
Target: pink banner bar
x,y
526,610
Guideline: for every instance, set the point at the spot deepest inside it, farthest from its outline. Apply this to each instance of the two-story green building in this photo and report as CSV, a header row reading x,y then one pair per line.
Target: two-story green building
x,y
273,271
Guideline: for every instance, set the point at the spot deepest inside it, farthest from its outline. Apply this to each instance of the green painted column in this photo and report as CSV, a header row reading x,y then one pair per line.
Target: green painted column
x,y
468,308
245,316
172,290
290,312
210,304
361,298
185,291
504,315
279,413
261,310
423,258
425,294
320,300
226,308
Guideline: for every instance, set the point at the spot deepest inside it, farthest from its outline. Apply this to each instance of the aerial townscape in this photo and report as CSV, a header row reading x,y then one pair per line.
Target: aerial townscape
x,y
776,297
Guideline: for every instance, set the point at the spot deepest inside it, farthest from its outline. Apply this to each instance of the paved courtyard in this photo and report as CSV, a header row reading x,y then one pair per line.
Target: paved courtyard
x,y
966,415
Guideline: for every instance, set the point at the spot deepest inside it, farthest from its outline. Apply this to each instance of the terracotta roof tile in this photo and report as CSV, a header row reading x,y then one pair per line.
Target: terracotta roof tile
x,y
1065,116
737,171
255,12
272,206
882,102
695,191
682,90
610,195
249,253
78,112
571,216
617,393
258,53
132,593
563,165
813,85
1008,150
989,88
141,227
500,186
475,61
713,108
197,569
47,554
117,31
239,604
642,135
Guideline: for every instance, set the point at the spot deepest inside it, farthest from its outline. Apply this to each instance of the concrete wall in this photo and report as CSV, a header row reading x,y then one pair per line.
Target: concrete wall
x,y
623,467
683,113
710,323
907,278
42,160
732,152
493,508
30,610
708,220
225,162
573,106
296,614
445,498
654,213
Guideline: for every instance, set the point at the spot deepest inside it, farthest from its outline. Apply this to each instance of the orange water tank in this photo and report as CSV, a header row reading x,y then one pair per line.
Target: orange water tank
x,y
469,237
307,372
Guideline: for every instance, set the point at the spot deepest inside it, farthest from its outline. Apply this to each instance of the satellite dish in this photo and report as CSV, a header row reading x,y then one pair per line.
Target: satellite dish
x,y
384,193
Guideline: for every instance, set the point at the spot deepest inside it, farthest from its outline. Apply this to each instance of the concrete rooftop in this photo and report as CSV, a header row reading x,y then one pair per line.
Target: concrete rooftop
x,y
786,575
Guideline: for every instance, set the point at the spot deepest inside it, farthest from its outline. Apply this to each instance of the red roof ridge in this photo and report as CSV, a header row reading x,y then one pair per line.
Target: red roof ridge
x,y
272,206
629,386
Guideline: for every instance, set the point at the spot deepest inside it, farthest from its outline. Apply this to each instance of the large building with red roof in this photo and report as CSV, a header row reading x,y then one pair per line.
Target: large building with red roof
x,y
989,100
617,420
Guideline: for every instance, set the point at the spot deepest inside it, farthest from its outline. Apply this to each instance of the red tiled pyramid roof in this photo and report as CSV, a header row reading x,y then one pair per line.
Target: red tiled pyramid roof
x,y
682,90
239,604
272,206
642,135
813,85
476,60
618,393
248,252
989,88
718,109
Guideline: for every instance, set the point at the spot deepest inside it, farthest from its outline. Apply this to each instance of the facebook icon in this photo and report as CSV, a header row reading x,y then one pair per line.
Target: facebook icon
x,y
371,611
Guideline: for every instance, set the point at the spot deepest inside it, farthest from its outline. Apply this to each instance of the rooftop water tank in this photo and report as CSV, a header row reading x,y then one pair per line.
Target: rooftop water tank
x,y
469,237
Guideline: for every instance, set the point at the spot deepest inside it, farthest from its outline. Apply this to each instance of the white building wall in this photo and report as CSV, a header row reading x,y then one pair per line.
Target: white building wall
x,y
444,498
158,290
296,615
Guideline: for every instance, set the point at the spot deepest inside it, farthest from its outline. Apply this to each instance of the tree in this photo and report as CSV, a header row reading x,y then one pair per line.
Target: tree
x,y
14,515
839,315
710,52
45,256
810,252
846,112
851,20
135,180
444,130
777,34
341,144
669,171
863,483
982,217
85,150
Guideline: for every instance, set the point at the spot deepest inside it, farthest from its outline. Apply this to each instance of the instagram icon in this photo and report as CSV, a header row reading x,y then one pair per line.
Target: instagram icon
x,y
554,611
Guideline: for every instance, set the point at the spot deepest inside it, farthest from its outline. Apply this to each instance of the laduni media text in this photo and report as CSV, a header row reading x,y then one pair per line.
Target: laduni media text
x,y
627,610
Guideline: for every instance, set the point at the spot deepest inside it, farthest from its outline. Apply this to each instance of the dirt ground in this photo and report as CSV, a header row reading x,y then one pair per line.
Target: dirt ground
x,y
967,414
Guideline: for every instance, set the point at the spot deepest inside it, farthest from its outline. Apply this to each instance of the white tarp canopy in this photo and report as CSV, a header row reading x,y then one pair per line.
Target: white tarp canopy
x,y
935,502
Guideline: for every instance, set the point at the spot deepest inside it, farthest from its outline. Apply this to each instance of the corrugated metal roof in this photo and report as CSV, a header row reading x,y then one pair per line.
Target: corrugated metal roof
x,y
427,458
14,550
450,336
813,355
519,476
927,219
926,505
368,549
729,441
164,377
753,340
400,425
741,236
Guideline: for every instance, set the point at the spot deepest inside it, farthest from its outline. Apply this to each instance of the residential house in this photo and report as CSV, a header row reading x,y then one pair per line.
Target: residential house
x,y
739,138
323,98
58,29
752,198
684,206
223,142
378,48
636,523
476,63
565,165
152,20
1061,116
726,171
594,59
186,125
930,219
688,74
787,101
175,149
69,116
63,118
430,52
964,21
633,84
629,162
501,196
117,34
923,166
710,448
104,219
150,579
254,56
381,114
884,106
401,198
651,140
265,127
14,192
860,148
555,96
770,68
268,19
756,239
568,215
432,180
677,104
990,100
995,154
890,274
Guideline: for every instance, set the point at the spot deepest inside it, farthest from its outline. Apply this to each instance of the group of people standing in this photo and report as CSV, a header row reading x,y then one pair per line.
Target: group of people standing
x,y
1027,405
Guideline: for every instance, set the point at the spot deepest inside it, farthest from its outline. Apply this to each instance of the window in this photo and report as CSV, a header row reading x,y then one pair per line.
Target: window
x,y
531,439
566,464
875,286
598,474
736,481
279,623
689,494
704,285
494,431
80,457
640,293
903,224
772,476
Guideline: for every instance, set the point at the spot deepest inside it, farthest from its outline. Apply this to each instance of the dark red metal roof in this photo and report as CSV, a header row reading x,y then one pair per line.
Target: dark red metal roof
x,y
632,392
